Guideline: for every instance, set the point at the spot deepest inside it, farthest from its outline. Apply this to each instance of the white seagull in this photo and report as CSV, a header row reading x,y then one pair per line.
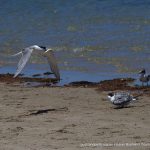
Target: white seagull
x,y
143,77
48,53
121,99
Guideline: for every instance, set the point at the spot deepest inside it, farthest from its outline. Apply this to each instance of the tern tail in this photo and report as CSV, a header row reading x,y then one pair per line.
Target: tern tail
x,y
136,97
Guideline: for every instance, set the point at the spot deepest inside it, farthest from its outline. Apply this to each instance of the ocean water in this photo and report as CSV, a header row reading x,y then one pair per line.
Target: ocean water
x,y
93,39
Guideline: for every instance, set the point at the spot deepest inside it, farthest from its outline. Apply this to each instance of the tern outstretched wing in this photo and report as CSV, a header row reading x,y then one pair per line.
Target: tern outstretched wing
x,y
26,53
53,63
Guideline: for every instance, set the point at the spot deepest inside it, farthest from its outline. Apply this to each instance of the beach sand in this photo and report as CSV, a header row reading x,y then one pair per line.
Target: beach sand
x,y
69,118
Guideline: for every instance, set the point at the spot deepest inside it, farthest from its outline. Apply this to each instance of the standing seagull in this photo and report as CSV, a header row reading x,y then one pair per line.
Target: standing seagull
x,y
143,77
121,99
48,53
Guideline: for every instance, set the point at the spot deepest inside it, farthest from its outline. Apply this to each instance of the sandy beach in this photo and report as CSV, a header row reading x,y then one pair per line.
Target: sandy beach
x,y
69,118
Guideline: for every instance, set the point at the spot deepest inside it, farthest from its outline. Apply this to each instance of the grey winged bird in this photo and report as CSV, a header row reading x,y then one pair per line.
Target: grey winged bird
x,y
48,53
121,99
143,77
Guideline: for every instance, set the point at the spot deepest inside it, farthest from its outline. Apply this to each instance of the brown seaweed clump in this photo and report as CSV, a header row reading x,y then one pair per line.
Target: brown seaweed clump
x,y
121,84
117,84
82,84
104,85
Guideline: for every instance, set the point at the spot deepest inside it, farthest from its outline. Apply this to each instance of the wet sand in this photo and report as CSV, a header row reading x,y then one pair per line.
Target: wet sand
x,y
47,118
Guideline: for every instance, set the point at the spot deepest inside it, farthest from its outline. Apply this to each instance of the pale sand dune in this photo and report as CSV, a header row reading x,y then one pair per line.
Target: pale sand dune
x,y
65,117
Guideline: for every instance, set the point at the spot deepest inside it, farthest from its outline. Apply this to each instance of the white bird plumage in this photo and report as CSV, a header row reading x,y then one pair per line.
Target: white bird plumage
x,y
121,99
26,54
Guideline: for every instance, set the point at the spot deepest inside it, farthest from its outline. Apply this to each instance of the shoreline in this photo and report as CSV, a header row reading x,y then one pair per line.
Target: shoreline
x,y
105,85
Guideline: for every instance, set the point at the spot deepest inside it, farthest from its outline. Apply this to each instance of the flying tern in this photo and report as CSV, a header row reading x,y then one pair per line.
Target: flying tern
x,y
42,50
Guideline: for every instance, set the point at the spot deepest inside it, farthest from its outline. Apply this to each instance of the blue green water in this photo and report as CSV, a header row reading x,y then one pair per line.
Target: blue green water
x,y
92,39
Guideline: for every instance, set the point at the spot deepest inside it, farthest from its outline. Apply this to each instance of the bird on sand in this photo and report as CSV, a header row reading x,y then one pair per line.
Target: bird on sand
x,y
121,99
144,78
41,50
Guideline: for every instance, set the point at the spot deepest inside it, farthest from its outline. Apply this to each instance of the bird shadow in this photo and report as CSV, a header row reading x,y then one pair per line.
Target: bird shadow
x,y
124,107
